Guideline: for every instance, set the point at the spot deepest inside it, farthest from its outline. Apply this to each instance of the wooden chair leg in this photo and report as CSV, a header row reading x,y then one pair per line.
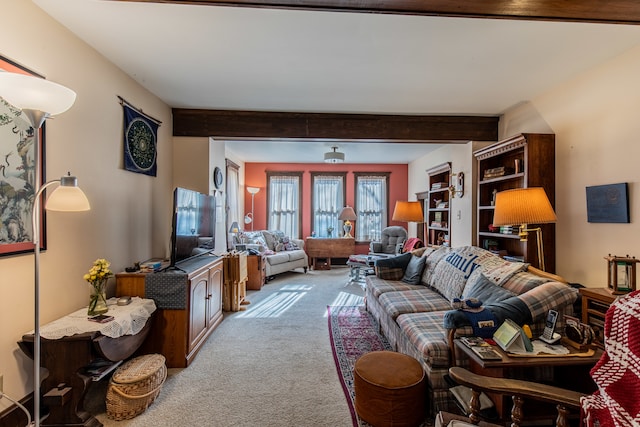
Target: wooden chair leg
x,y
563,417
516,412
474,407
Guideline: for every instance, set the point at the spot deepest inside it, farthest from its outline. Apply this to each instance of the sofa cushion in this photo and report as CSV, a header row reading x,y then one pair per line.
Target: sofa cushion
x,y
296,255
412,301
278,258
378,286
427,335
413,272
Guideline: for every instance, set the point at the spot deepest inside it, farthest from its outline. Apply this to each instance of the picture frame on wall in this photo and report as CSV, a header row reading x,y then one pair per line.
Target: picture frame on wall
x,y
608,203
17,174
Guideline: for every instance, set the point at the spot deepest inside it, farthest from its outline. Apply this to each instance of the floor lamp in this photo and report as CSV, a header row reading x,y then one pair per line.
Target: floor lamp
x,y
524,206
39,99
248,218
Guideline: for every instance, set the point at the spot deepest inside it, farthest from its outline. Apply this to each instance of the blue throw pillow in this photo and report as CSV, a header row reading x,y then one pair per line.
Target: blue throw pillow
x,y
413,272
486,291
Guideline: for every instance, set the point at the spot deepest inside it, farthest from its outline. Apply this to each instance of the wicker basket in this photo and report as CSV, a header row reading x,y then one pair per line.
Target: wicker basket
x,y
135,385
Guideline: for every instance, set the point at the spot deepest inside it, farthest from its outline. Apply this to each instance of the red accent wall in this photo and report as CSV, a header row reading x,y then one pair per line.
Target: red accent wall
x,y
255,175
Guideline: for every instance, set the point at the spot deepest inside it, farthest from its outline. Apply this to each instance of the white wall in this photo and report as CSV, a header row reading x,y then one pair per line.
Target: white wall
x,y
462,160
595,119
131,213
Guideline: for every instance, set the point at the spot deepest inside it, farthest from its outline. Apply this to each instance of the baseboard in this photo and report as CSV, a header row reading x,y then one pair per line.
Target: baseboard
x,y
13,416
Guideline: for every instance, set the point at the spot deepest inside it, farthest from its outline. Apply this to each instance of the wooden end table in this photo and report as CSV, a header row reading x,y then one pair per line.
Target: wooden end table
x,y
563,371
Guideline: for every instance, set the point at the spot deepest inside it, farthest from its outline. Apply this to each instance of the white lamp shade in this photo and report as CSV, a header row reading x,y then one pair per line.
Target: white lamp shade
x,y
33,93
253,190
67,199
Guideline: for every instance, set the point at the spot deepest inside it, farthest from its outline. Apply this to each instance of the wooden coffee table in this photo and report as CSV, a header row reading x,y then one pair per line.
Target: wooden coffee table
x,y
570,372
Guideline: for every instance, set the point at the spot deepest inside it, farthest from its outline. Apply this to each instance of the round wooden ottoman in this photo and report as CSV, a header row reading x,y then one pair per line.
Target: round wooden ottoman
x,y
390,389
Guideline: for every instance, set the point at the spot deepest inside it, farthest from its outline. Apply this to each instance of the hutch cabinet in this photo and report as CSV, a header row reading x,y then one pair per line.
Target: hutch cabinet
x,y
437,206
178,334
522,161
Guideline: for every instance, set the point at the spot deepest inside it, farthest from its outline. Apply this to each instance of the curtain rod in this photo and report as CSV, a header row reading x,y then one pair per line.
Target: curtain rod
x,y
139,110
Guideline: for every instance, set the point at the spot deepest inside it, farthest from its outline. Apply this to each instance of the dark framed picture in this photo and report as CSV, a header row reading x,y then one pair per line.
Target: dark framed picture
x,y
608,203
17,174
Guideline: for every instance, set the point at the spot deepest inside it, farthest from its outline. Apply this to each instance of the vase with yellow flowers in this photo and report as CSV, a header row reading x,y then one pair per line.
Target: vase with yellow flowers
x,y
97,276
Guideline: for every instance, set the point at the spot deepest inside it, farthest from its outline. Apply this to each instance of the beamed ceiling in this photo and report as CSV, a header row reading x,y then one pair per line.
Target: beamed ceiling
x,y
368,71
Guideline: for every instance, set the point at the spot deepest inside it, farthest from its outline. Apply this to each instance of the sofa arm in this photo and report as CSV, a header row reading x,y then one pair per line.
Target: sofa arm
x,y
298,242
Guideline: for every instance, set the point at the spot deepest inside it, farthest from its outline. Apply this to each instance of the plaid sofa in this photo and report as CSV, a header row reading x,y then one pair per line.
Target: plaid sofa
x,y
418,318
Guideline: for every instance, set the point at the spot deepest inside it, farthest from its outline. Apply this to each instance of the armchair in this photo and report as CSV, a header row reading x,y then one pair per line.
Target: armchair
x,y
391,242
617,376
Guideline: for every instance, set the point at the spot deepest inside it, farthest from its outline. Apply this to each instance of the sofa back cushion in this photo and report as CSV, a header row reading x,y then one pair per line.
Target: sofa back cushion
x,y
478,286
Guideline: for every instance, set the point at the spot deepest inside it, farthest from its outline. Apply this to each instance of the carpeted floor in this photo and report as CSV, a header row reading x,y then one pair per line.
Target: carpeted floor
x,y
270,365
353,332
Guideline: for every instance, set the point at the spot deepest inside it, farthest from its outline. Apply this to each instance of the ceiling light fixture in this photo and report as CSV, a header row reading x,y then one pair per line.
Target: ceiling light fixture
x,y
333,156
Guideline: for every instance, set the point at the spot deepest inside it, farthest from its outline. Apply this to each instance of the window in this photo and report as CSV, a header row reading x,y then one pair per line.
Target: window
x,y
284,207
328,200
371,205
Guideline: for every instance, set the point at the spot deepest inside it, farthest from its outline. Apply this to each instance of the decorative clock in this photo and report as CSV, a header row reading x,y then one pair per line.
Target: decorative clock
x,y
217,178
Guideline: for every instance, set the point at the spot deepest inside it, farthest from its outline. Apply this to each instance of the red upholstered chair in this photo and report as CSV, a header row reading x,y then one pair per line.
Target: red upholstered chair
x,y
617,375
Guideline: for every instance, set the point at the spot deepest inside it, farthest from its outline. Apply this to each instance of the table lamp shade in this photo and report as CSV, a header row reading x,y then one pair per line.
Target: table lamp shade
x,y
347,214
523,206
408,212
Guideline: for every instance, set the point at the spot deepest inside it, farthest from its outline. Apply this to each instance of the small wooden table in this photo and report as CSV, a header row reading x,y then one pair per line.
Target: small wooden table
x,y
567,372
321,248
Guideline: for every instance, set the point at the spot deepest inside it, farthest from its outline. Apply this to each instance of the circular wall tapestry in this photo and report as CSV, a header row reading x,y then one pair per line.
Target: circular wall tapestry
x,y
141,144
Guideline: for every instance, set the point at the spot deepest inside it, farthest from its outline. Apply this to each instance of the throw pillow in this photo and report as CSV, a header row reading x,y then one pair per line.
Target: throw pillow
x,y
392,268
413,272
255,237
289,245
485,290
499,271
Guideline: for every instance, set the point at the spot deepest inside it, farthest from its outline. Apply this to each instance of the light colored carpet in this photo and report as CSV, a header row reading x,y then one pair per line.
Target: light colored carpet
x,y
270,365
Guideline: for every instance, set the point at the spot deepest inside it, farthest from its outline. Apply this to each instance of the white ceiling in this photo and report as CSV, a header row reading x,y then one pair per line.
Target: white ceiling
x,y
214,57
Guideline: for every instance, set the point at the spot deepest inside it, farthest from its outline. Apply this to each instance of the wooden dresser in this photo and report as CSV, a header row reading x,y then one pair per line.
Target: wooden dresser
x,y
179,333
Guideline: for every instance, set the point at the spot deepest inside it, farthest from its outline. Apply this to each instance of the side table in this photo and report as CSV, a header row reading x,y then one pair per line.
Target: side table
x,y
566,371
327,248
257,272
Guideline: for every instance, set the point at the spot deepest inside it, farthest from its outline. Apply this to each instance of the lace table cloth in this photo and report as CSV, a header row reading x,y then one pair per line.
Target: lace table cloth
x,y
127,320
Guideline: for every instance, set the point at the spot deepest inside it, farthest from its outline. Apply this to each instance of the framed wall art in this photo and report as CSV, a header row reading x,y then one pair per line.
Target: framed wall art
x,y
608,203
17,174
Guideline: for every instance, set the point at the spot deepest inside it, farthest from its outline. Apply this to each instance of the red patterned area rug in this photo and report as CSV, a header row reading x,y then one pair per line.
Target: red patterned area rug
x,y
353,332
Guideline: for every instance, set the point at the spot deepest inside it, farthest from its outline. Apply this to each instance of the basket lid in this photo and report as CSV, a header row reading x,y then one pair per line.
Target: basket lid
x,y
138,368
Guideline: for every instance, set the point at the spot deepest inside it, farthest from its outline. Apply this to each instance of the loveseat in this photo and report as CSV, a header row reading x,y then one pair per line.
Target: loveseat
x,y
281,252
412,297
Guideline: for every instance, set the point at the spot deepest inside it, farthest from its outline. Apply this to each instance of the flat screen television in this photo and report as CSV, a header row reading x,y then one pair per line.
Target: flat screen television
x,y
194,224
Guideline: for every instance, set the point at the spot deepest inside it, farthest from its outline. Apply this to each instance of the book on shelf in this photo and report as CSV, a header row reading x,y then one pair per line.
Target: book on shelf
x,y
439,185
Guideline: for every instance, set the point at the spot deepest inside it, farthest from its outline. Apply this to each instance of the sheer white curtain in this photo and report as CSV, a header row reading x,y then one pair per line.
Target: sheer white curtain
x,y
233,199
284,204
328,200
188,219
371,206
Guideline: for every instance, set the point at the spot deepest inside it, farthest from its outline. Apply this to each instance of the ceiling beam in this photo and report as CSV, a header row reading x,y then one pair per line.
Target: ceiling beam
x,y
610,11
330,126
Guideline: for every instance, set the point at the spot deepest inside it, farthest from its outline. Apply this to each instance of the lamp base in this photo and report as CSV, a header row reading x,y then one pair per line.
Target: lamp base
x,y
347,231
